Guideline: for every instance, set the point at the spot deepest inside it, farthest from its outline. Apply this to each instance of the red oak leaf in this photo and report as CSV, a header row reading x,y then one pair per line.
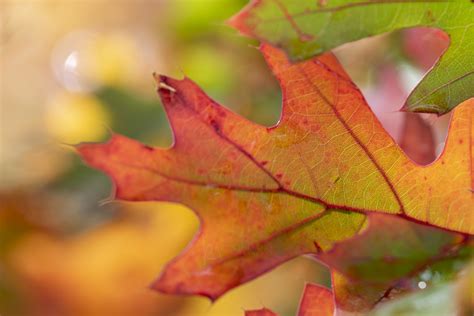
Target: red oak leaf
x,y
260,312
265,195
316,301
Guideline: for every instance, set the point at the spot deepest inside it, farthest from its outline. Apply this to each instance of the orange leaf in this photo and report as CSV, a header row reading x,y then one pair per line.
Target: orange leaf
x,y
260,312
265,195
316,301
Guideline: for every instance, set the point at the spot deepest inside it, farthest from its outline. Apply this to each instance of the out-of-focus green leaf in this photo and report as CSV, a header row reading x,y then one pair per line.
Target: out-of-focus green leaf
x,y
448,289
200,18
367,267
305,28
438,301
447,268
389,249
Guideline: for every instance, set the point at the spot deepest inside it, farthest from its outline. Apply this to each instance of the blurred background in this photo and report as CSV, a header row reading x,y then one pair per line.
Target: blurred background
x,y
71,71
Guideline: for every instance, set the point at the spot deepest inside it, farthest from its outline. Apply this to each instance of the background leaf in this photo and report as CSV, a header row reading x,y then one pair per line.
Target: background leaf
x,y
316,300
307,28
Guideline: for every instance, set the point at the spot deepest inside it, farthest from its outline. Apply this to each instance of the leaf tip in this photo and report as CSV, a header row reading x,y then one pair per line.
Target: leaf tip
x,y
242,20
404,108
415,106
260,312
163,286
163,83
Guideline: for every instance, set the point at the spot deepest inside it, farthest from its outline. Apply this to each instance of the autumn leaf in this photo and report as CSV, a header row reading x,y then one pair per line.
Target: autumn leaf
x,y
316,300
306,28
367,257
365,269
265,195
452,298
355,296
260,312
384,259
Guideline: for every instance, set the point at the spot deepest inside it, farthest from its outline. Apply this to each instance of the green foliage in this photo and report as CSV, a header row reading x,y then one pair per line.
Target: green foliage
x,y
306,28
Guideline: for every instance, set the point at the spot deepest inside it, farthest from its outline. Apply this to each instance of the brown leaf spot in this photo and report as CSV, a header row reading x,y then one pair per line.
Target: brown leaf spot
x,y
215,125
